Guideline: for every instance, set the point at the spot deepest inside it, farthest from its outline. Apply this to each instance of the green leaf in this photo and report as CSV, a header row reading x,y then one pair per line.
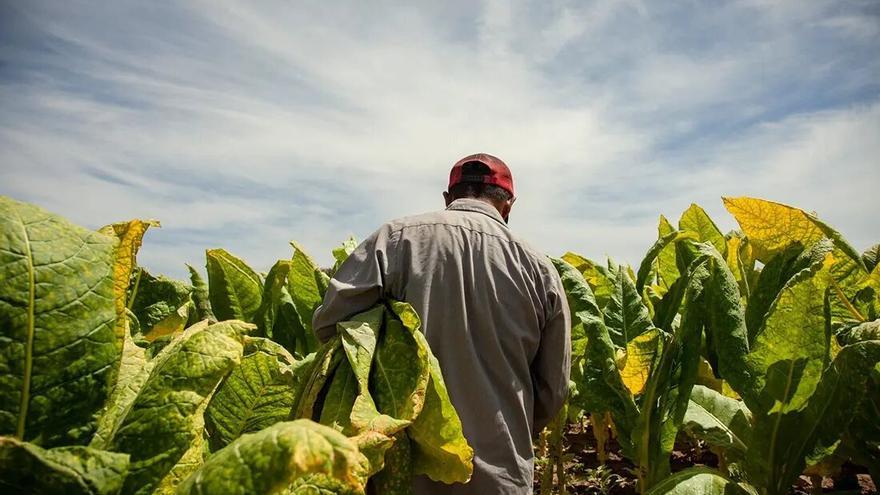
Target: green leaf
x,y
27,468
400,372
647,265
698,481
235,290
270,460
667,268
789,355
161,305
695,220
305,290
600,280
200,295
258,393
773,278
321,367
339,401
359,338
783,441
720,421
58,318
341,253
273,298
440,450
597,379
396,478
626,316
134,369
163,420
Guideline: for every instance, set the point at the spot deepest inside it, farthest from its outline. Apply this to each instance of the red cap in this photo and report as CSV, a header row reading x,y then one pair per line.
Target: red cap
x,y
498,174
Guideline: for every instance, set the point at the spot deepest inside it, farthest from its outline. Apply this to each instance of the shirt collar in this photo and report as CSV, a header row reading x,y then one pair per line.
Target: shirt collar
x,y
475,205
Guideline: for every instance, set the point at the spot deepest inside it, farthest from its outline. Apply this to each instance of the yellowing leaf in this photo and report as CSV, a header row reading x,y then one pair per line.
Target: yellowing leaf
x,y
636,365
771,227
272,459
131,236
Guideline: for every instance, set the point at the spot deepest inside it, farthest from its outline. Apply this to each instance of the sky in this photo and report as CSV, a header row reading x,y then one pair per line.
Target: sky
x,y
245,125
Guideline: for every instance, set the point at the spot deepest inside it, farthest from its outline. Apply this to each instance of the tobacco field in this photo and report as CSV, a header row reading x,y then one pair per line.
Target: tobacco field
x,y
737,363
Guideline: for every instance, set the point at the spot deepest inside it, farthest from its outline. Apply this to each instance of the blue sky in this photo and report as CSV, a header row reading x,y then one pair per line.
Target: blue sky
x,y
245,125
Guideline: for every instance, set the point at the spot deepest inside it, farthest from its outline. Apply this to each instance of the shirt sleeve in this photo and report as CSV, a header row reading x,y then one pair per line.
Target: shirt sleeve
x,y
551,366
361,282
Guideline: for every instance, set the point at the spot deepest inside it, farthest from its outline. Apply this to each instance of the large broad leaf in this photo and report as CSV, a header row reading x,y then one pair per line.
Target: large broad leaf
x,y
783,442
600,280
400,371
359,339
161,305
234,288
163,420
597,379
626,316
130,235
789,355
134,359
720,421
58,319
775,274
772,227
273,298
339,401
134,369
440,450
641,352
695,220
27,468
258,393
200,296
322,366
274,458
699,481
304,288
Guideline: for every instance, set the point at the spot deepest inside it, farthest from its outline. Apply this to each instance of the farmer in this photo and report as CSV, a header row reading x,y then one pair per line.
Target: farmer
x,y
493,311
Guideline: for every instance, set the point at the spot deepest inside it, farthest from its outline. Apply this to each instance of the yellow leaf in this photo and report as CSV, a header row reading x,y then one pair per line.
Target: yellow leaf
x,y
771,226
636,364
130,235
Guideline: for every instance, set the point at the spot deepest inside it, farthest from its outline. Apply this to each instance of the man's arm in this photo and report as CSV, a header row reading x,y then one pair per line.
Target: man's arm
x,y
551,366
361,282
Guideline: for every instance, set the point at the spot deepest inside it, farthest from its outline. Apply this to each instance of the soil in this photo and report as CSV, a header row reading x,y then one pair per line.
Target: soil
x,y
584,474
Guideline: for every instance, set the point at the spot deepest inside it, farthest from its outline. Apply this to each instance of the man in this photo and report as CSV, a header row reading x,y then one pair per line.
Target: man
x,y
493,311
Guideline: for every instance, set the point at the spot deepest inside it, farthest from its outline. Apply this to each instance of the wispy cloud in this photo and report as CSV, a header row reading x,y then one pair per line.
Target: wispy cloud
x,y
244,125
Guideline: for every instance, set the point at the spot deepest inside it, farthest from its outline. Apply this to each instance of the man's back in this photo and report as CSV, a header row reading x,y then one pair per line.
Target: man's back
x,y
494,314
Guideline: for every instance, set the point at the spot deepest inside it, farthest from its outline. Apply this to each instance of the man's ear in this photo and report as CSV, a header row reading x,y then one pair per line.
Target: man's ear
x,y
447,198
505,209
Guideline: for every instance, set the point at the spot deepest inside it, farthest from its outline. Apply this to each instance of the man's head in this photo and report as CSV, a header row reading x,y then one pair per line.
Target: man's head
x,y
483,177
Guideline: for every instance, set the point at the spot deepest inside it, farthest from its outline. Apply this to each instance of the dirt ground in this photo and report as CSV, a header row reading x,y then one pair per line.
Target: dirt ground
x,y
585,475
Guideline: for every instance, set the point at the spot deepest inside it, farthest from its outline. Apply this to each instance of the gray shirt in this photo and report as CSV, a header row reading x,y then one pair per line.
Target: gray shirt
x,y
494,313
